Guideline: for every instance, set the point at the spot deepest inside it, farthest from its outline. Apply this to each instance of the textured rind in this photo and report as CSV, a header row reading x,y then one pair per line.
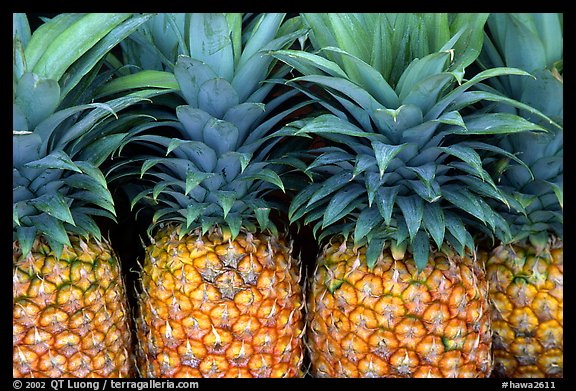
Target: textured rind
x,y
392,321
70,315
215,307
526,294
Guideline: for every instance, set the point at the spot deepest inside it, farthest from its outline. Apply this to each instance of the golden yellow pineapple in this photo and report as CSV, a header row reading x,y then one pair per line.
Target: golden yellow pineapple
x,y
215,307
397,192
70,314
526,273
526,291
393,321
220,287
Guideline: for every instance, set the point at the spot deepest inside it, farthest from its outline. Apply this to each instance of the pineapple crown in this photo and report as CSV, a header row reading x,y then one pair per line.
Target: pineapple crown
x,y
506,38
539,189
208,161
402,166
59,139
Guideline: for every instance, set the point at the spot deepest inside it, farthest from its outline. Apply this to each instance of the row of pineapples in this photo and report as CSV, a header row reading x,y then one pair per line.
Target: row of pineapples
x,y
421,152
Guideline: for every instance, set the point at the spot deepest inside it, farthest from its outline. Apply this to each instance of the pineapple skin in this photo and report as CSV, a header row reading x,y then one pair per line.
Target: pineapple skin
x,y
392,321
526,295
211,306
70,314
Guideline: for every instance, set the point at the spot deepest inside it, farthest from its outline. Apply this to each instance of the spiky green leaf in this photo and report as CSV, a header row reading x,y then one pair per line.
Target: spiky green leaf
x,y
384,154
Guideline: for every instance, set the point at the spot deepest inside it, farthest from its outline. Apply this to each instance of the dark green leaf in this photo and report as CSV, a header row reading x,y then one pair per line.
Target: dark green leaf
x,y
262,215
87,223
194,178
234,222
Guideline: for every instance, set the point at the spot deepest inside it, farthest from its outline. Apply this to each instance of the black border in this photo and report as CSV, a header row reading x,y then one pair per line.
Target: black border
x,y
267,6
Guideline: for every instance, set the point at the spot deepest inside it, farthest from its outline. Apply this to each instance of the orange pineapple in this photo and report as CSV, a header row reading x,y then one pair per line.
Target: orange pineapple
x,y
70,314
526,273
397,193
220,293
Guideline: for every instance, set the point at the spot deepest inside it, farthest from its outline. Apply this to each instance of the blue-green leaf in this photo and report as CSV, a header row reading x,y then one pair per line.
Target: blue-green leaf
x,y
362,163
433,219
384,154
221,136
210,42
385,200
37,98
26,237
468,156
193,120
462,199
51,227
192,213
332,184
57,159
366,221
374,250
226,200
420,249
244,116
266,175
340,204
200,154
190,75
216,97
413,209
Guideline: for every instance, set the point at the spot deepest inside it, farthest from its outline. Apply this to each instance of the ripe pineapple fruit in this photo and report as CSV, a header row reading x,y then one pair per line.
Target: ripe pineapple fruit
x,y
70,315
214,306
220,293
397,193
526,274
392,320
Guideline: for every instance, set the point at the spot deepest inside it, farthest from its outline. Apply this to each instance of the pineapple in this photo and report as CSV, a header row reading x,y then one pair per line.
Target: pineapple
x,y
526,274
397,193
70,315
220,293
